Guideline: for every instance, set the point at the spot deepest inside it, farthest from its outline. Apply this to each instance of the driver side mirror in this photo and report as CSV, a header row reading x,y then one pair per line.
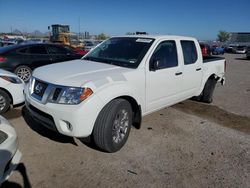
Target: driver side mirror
x,y
154,64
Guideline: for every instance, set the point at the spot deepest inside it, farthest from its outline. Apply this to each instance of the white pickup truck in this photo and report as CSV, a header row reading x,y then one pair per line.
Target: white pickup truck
x,y
118,82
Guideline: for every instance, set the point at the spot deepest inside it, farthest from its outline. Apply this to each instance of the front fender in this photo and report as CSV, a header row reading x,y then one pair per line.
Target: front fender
x,y
116,90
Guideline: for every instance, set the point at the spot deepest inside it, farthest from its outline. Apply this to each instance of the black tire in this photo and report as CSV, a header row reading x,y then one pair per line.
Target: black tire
x,y
4,102
104,133
23,72
208,91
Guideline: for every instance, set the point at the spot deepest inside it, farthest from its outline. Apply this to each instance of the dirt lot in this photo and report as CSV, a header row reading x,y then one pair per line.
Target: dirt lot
x,y
188,145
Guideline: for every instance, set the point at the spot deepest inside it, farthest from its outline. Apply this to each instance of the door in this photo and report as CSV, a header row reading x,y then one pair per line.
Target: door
x,y
192,69
164,76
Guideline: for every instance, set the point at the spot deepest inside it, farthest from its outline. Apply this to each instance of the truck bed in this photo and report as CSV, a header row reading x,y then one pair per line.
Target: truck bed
x,y
207,59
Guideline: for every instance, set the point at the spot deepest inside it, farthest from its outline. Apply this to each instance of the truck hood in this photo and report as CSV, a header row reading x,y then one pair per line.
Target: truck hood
x,y
78,72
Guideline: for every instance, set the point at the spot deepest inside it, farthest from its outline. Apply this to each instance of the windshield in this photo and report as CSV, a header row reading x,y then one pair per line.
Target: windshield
x,y
121,51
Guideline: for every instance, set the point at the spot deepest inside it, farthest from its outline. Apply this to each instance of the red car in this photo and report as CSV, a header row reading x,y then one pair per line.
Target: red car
x,y
78,51
205,49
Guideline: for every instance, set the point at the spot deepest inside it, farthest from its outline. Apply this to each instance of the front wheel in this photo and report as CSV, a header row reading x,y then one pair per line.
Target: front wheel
x,y
113,125
23,72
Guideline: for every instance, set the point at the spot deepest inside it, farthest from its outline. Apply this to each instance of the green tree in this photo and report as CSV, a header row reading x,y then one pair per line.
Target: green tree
x,y
101,36
223,36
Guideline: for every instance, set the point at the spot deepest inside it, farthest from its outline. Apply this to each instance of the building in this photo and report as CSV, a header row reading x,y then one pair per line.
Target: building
x,y
242,38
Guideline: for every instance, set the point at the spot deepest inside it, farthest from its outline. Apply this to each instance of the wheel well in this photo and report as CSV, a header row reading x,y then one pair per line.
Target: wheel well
x,y
8,93
214,76
136,110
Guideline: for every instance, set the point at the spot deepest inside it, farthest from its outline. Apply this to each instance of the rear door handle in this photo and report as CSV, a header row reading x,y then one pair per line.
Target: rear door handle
x,y
198,69
178,73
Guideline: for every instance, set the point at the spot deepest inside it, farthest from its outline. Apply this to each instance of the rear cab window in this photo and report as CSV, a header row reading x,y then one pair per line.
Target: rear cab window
x,y
189,52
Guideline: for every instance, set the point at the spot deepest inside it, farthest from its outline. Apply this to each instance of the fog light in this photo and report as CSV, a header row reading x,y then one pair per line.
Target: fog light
x,y
69,126
66,126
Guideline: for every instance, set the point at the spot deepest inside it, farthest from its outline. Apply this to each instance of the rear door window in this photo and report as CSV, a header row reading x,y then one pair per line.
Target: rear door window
x,y
57,50
24,51
189,52
38,50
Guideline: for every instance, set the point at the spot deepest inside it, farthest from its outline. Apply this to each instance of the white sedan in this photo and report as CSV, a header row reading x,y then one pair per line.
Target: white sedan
x,y
11,91
9,153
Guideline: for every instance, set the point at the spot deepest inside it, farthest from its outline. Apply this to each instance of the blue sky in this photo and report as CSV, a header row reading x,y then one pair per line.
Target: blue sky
x,y
201,19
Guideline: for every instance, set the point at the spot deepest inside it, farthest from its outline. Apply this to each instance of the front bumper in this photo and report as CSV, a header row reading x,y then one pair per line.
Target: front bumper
x,y
71,120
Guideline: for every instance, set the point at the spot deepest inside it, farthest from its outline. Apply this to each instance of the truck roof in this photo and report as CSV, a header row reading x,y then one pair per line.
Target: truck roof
x,y
159,37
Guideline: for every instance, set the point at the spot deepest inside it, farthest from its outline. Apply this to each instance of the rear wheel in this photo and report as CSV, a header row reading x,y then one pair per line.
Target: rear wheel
x,y
4,102
113,125
23,72
208,91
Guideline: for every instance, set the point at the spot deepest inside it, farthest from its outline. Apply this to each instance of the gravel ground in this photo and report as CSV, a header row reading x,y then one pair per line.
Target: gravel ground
x,y
188,145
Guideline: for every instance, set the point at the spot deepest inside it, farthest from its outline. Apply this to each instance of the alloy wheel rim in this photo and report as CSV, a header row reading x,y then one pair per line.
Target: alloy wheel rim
x,y
120,126
24,74
2,102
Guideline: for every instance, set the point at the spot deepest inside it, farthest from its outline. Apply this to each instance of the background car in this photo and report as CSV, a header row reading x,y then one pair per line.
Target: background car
x,y
78,50
22,59
230,48
216,50
11,91
205,49
240,50
248,52
88,45
9,153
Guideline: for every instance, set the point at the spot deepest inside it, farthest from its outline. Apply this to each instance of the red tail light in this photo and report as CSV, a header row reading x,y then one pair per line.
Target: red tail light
x,y
2,58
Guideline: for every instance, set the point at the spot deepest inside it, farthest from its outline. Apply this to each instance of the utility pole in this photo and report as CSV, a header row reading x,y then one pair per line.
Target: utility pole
x,y
79,28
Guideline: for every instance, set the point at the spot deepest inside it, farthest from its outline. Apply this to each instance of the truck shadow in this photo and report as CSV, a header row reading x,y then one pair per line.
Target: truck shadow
x,y
242,59
43,131
26,183
89,142
215,114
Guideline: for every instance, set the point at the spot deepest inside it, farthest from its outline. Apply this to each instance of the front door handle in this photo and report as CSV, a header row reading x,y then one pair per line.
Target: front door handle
x,y
198,69
178,73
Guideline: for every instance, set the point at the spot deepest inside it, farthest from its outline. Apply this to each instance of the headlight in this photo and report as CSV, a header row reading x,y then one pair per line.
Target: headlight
x,y
74,95
14,80
3,136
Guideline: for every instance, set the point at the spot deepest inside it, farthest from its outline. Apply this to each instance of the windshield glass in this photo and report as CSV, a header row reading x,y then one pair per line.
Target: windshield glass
x,y
121,51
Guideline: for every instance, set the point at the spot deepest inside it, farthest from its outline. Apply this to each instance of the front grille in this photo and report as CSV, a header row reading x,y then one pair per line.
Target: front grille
x,y
39,88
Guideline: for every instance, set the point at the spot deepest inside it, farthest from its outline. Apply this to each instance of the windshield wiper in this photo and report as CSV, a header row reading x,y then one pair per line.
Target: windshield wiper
x,y
108,61
98,60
